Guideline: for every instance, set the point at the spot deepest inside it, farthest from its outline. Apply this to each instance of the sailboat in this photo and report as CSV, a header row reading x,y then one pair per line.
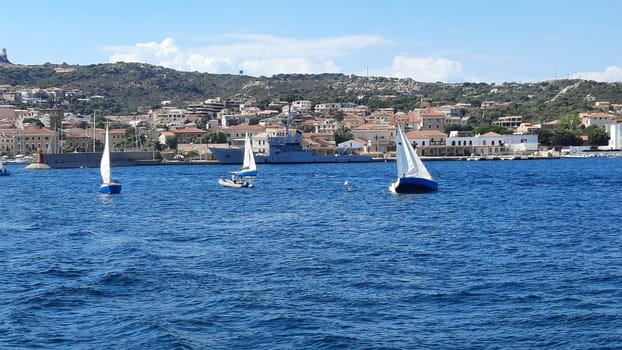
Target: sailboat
x,y
3,171
412,175
108,185
249,168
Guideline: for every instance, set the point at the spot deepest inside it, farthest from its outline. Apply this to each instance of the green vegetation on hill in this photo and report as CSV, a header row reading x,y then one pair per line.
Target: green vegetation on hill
x,y
129,88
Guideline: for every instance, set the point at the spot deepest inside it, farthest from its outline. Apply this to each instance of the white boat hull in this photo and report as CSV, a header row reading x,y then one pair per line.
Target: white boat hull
x,y
234,183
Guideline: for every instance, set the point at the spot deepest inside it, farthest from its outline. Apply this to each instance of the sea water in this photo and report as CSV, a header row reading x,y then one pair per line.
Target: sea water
x,y
507,254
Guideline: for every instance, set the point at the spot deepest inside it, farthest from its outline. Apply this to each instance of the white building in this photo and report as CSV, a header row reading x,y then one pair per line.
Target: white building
x,y
615,135
302,105
491,143
326,125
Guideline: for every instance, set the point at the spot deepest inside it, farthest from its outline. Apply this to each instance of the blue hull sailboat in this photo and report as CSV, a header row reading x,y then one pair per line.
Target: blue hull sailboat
x,y
249,168
412,175
108,185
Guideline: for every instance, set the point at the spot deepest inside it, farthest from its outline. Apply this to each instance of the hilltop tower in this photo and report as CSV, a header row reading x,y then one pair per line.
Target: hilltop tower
x,y
3,57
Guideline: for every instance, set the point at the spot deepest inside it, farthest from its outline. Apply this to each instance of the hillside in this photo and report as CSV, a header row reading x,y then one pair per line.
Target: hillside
x,y
129,88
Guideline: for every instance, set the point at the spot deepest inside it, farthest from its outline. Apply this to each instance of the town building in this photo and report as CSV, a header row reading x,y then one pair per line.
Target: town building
x,y
596,118
510,121
379,136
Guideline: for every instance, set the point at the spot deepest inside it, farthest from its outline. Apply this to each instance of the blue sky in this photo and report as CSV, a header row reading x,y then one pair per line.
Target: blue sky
x,y
427,40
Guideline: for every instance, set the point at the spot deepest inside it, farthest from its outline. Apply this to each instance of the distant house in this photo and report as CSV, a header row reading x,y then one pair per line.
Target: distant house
x,y
528,128
188,135
166,136
379,136
428,142
597,118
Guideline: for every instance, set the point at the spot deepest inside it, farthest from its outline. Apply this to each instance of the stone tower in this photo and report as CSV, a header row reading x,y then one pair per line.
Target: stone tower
x,y
3,57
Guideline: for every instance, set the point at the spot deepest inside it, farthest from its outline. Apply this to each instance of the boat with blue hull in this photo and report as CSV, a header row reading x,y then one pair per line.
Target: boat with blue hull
x,y
108,186
412,175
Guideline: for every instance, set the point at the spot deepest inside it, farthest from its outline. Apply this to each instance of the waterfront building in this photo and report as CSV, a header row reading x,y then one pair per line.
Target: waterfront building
x,y
188,135
615,135
428,142
379,136
7,143
321,143
79,139
30,140
237,133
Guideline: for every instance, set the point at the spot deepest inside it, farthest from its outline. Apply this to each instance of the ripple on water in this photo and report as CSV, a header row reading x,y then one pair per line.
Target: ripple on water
x,y
506,254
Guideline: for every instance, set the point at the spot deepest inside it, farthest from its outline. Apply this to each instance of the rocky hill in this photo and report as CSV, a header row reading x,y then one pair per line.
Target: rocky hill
x,y
129,88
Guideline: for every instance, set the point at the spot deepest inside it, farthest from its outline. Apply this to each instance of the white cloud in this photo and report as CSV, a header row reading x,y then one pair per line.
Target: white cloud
x,y
425,69
255,54
611,74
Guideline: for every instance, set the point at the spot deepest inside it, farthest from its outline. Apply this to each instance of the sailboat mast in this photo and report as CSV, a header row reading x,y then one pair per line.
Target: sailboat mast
x,y
93,132
289,115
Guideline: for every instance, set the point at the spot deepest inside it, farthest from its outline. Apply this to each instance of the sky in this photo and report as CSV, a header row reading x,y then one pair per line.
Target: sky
x,y
426,40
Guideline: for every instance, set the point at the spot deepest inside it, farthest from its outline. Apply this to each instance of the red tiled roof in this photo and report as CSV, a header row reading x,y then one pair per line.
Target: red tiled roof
x,y
415,134
371,126
189,130
35,130
491,134
247,127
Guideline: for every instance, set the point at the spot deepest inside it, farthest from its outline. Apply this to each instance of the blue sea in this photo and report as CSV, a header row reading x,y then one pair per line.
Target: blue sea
x,y
507,254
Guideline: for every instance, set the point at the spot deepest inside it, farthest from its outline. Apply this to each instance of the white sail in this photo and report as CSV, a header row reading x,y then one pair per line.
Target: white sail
x,y
408,163
104,166
249,168
249,158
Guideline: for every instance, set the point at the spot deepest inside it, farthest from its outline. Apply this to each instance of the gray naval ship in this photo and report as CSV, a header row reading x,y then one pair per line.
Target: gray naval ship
x,y
92,159
283,150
